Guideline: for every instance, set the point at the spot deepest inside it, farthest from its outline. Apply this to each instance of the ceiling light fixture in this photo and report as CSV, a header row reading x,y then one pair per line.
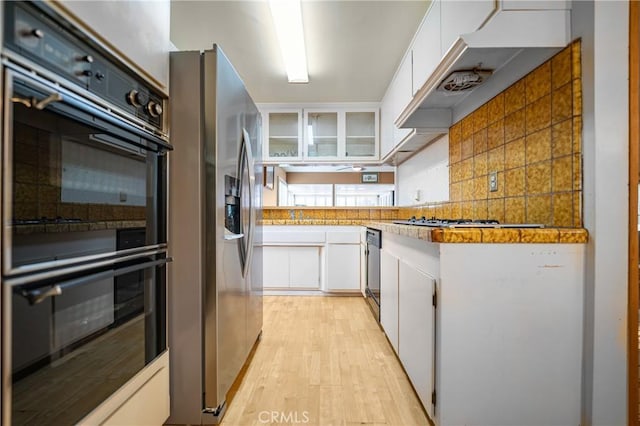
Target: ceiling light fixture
x,y
287,19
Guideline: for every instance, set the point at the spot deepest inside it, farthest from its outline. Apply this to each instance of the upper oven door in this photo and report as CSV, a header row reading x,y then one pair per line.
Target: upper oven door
x,y
74,175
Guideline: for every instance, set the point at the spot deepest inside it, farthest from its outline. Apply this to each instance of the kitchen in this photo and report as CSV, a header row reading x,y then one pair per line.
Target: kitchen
x,y
597,85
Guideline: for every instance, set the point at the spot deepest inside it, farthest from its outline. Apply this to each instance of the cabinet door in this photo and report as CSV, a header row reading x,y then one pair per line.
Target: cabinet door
x,y
321,133
402,95
462,17
304,267
343,267
386,126
283,135
389,296
416,330
275,267
426,47
360,134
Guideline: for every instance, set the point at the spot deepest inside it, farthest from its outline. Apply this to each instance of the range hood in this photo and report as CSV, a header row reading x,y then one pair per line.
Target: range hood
x,y
414,141
509,45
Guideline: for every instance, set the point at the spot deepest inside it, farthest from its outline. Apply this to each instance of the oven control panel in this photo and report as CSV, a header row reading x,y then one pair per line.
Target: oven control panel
x,y
31,31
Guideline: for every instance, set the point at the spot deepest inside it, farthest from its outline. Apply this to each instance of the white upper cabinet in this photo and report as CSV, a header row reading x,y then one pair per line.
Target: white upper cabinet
x,y
386,126
311,135
321,130
427,49
403,85
283,134
340,134
398,95
360,134
137,30
402,94
461,17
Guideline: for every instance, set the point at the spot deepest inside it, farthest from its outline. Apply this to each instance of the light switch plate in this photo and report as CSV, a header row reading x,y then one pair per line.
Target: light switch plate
x,y
493,181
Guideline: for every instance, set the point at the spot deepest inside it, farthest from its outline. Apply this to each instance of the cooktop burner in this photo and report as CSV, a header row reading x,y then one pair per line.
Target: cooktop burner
x,y
464,223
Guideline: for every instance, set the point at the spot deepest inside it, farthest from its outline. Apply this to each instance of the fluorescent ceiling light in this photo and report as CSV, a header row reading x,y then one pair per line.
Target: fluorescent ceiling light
x,y
287,19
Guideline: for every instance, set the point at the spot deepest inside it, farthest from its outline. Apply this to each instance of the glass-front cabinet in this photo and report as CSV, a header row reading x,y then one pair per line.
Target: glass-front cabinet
x,y
360,134
321,134
283,130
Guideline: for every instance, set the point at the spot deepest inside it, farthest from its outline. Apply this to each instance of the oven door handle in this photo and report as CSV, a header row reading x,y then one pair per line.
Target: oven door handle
x,y
37,104
42,104
38,295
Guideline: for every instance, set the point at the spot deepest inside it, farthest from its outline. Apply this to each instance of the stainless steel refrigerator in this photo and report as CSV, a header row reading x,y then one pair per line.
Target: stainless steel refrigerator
x,y
215,199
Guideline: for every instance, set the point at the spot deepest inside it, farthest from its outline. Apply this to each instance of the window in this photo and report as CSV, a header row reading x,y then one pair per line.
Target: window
x,y
364,195
340,195
310,195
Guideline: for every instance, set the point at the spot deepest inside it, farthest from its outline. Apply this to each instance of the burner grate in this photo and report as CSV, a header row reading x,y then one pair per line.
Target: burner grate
x,y
463,223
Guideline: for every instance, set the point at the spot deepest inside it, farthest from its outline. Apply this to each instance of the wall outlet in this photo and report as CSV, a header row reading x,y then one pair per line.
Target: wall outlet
x,y
493,181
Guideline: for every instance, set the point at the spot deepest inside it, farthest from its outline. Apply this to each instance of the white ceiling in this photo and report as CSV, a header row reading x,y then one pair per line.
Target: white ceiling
x,y
353,47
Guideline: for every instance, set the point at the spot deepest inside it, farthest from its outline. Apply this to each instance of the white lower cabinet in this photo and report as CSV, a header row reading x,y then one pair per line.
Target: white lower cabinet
x,y
479,348
416,327
276,267
291,267
389,296
326,258
343,267
304,267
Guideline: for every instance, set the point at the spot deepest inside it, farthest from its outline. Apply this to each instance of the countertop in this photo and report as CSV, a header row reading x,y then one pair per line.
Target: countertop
x,y
486,235
457,235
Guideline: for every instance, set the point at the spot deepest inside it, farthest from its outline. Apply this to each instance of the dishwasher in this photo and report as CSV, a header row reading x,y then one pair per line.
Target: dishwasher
x,y
374,243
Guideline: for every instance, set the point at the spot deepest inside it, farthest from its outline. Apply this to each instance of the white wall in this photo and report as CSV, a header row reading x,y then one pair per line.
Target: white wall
x,y
603,26
137,29
426,174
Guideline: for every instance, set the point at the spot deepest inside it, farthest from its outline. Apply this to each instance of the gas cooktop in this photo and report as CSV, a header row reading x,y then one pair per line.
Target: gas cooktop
x,y
464,223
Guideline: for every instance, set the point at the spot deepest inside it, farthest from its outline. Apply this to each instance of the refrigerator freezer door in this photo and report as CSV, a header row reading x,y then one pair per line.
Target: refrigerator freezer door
x,y
227,111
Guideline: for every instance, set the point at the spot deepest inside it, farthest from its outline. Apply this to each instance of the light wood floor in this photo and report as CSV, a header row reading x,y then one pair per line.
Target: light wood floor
x,y
323,361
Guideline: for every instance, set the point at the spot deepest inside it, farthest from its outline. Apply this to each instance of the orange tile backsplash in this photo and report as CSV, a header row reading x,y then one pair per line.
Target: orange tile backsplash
x,y
530,134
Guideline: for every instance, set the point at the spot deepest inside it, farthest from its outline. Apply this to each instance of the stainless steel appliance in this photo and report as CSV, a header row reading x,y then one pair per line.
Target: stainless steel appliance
x,y
216,197
374,244
464,223
83,159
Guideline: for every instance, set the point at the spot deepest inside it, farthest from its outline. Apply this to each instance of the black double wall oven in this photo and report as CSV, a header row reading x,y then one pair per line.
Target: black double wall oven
x,y
84,220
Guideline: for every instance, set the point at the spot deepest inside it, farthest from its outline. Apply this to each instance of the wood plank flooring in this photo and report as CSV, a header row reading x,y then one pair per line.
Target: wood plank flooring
x,y
323,361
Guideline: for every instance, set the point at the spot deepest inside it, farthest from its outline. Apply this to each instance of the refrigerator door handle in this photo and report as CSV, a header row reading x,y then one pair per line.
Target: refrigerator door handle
x,y
247,161
230,237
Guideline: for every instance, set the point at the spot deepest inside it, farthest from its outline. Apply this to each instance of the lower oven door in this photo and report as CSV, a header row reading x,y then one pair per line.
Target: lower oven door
x,y
66,347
